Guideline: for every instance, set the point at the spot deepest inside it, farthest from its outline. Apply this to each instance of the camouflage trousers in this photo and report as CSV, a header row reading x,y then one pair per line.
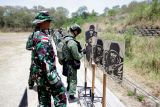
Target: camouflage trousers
x,y
72,80
58,94
46,90
31,80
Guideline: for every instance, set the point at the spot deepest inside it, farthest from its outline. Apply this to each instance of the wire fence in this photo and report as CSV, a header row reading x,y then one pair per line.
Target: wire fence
x,y
137,90
155,102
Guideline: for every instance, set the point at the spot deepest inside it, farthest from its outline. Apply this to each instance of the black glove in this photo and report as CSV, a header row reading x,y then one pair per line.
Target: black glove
x,y
84,51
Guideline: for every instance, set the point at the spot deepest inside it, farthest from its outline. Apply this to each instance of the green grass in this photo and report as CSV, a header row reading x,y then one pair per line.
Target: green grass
x,y
141,53
140,98
111,36
146,55
130,93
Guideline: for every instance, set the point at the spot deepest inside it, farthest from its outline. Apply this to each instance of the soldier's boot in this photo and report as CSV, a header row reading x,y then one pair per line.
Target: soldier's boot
x,y
72,98
31,84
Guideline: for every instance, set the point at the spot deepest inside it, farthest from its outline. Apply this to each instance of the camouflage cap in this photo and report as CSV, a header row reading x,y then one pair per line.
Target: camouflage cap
x,y
41,17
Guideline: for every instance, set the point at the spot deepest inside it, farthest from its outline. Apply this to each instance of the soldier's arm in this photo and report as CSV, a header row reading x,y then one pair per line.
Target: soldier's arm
x,y
74,50
50,67
29,44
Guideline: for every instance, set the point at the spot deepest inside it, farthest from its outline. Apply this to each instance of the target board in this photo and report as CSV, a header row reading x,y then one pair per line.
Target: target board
x,y
113,57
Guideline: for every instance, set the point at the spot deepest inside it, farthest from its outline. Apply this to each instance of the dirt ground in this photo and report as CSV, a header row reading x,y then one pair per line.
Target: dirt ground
x,y
14,71
14,68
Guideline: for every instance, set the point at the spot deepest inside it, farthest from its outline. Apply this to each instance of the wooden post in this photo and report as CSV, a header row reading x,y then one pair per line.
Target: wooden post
x,y
104,90
157,104
93,79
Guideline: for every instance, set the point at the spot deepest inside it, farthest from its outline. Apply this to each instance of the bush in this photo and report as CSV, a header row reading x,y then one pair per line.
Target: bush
x,y
140,98
130,93
128,39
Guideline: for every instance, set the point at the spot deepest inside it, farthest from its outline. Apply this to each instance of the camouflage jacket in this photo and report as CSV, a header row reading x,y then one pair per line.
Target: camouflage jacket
x,y
56,37
73,47
44,57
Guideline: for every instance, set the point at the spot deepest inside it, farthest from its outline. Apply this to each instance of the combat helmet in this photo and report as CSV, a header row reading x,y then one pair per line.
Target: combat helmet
x,y
41,17
75,27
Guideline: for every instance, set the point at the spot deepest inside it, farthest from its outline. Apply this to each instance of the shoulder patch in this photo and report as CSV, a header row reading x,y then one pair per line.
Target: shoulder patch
x,y
45,39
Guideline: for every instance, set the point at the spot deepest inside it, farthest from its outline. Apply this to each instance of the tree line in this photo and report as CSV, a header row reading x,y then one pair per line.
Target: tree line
x,y
16,18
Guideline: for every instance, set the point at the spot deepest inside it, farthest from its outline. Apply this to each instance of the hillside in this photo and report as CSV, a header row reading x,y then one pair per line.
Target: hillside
x,y
142,58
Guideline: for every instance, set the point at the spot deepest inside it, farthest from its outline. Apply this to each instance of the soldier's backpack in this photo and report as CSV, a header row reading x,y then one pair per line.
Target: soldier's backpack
x,y
63,52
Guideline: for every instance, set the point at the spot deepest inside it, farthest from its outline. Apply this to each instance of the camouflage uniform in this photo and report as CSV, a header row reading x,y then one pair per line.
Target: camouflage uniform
x,y
56,37
43,70
29,46
75,54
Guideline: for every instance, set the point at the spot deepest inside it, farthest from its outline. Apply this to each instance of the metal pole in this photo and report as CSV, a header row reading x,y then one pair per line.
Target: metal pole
x,y
93,80
104,90
85,74
157,104
85,83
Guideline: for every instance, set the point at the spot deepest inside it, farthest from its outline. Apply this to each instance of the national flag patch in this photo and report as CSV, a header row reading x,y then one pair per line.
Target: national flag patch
x,y
45,39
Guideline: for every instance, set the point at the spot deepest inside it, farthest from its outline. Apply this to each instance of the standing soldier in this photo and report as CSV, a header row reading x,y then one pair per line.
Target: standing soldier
x,y
74,61
29,46
43,69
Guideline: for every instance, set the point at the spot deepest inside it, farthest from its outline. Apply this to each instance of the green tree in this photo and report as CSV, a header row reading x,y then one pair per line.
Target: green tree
x,y
155,9
111,12
106,9
60,15
81,10
1,16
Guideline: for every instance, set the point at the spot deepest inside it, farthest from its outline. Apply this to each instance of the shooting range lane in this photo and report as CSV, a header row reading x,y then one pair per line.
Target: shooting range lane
x,y
111,99
14,67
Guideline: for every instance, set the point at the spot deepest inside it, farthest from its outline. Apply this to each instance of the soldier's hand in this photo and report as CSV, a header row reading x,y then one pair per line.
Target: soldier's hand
x,y
59,84
33,48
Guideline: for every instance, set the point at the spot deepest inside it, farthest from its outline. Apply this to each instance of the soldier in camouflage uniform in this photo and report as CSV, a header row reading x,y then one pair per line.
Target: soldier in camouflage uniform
x,y
43,68
74,60
57,36
29,46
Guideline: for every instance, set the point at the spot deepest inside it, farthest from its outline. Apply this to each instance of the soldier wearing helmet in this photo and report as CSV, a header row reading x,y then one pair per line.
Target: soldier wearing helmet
x,y
71,65
43,67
